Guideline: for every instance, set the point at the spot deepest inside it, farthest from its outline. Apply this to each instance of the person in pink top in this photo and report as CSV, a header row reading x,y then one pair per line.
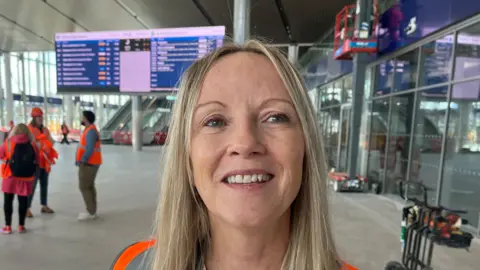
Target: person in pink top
x,y
20,156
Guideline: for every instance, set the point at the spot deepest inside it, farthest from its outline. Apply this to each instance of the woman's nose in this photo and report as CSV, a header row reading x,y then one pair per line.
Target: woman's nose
x,y
246,140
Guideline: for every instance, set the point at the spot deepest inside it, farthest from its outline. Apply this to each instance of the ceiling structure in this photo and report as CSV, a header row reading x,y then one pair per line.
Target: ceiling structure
x,y
30,25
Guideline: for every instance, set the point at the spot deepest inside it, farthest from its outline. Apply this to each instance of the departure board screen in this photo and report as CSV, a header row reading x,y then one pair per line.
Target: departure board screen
x,y
142,61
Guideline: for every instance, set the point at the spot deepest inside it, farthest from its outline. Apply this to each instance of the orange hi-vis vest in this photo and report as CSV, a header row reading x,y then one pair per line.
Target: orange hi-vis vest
x,y
134,258
96,157
5,167
47,153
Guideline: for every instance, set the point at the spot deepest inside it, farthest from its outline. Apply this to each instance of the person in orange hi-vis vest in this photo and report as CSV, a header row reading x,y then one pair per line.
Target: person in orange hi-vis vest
x,y
21,157
44,141
88,159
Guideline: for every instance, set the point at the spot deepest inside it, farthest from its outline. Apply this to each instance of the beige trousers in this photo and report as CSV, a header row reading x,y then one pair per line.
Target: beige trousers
x,y
86,178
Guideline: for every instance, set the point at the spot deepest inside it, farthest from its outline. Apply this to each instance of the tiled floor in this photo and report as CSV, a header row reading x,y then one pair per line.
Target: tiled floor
x,y
366,226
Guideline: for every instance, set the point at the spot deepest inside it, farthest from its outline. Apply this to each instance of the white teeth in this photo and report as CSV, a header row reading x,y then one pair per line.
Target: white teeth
x,y
238,179
248,179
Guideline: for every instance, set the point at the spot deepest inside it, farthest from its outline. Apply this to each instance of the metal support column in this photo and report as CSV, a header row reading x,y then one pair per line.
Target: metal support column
x,y
364,9
418,113
24,87
441,191
101,111
2,98
241,21
78,108
137,116
38,66
69,110
293,53
8,88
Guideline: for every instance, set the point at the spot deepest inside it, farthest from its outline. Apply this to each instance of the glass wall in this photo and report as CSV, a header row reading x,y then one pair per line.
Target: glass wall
x,y
420,120
33,82
3,105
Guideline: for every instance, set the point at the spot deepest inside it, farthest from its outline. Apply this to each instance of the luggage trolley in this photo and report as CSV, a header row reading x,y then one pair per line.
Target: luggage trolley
x,y
424,226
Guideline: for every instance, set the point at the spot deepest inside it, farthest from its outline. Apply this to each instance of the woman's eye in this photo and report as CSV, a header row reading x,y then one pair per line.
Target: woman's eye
x,y
278,118
215,123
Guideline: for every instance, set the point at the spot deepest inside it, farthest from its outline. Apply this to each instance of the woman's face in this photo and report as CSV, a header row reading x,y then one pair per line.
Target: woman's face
x,y
247,146
39,120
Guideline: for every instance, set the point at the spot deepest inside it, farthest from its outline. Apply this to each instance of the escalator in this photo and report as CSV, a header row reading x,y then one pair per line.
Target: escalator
x,y
155,117
122,119
122,113
119,117
157,125
147,105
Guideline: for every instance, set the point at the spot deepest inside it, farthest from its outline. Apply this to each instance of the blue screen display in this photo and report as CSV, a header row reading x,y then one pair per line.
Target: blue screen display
x,y
407,21
130,61
172,56
90,64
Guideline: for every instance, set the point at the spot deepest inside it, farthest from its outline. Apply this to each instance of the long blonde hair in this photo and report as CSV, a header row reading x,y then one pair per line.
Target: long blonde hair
x,y
183,231
21,129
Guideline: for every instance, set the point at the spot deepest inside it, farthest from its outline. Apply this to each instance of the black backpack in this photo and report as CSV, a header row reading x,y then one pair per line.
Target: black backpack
x,y
23,162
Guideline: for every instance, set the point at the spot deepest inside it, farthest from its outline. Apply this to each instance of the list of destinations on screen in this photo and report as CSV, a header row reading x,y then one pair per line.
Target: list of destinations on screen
x,y
88,63
130,61
171,56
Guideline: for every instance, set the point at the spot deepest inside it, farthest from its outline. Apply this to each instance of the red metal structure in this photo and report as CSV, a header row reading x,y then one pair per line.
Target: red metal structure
x,y
348,40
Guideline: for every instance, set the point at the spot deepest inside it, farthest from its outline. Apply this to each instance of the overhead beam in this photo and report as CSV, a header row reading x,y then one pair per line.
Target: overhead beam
x,y
288,44
132,13
65,15
204,12
25,28
284,18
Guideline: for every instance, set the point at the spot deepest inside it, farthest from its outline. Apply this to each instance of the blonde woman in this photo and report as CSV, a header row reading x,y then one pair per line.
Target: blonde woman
x,y
244,185
20,156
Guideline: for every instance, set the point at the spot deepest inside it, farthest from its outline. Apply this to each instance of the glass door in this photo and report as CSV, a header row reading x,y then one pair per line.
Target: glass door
x,y
397,150
343,134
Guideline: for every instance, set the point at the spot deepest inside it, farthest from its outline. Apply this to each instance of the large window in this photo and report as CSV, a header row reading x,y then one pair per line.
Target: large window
x,y
347,90
384,78
406,71
16,71
437,59
428,127
461,173
467,53
378,139
34,74
333,133
397,150
32,79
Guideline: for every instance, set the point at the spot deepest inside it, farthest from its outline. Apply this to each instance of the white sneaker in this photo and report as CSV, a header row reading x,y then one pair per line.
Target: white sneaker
x,y
86,217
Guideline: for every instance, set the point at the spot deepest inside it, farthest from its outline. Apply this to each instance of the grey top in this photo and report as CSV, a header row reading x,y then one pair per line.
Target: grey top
x,y
144,260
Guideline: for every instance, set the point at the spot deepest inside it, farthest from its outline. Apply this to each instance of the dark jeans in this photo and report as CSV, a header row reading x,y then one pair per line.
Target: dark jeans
x,y
8,208
64,139
42,177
